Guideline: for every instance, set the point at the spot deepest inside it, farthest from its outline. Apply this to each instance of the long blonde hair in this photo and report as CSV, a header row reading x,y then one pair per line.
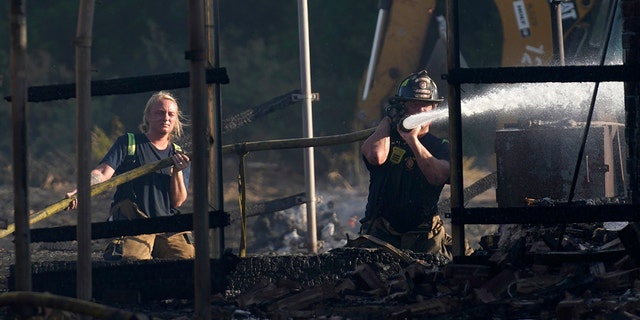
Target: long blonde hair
x,y
158,96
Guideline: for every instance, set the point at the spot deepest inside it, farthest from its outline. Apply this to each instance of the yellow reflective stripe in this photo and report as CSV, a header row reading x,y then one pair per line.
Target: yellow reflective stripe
x,y
131,147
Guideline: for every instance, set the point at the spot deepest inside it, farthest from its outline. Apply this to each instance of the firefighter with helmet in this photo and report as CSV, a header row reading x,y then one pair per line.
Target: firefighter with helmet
x,y
408,170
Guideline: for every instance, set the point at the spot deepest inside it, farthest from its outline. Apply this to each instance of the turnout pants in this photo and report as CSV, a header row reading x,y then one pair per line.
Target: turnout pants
x,y
149,246
146,246
434,240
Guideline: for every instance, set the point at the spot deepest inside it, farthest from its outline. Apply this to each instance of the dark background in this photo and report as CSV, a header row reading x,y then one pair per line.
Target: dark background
x,y
259,47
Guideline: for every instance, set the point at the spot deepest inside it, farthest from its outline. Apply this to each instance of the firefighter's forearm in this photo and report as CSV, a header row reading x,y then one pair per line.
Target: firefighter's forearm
x,y
178,189
101,173
376,148
435,170
96,177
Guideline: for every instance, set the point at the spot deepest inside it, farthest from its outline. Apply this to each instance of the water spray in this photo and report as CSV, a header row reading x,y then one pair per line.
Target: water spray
x,y
556,101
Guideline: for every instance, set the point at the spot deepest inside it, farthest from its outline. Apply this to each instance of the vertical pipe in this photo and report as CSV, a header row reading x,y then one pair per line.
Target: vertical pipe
x,y
18,56
200,158
455,128
307,126
560,32
216,235
242,189
608,156
83,100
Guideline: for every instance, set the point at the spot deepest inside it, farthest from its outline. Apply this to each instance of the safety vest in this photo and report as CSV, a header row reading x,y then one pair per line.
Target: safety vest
x,y
131,145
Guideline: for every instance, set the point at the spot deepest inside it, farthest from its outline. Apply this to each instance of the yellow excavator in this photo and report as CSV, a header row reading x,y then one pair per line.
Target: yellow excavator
x,y
411,35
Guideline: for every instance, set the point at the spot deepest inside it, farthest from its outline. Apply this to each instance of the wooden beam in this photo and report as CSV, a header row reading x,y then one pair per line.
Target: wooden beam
x,y
543,215
123,85
102,230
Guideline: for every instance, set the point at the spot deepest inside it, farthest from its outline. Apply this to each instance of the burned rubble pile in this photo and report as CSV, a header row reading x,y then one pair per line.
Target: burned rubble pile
x,y
517,274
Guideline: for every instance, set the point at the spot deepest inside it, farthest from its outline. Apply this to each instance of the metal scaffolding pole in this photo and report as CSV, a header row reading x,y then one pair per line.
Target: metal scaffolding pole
x,y
83,99
18,56
455,129
216,192
631,56
200,158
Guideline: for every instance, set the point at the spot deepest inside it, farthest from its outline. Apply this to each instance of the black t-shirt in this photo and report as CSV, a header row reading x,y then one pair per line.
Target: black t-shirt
x,y
151,191
398,191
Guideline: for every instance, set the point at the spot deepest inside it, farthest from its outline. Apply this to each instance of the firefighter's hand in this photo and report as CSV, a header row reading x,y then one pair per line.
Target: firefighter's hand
x,y
411,134
180,161
74,203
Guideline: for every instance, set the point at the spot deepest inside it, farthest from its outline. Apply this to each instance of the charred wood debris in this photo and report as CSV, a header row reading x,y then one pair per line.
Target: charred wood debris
x,y
521,272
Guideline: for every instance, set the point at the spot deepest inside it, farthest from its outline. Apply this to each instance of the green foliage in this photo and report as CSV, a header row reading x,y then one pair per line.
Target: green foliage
x,y
100,144
480,34
101,141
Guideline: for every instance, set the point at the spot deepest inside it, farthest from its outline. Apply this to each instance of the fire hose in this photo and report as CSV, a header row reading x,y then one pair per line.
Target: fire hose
x,y
239,148
95,190
21,299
